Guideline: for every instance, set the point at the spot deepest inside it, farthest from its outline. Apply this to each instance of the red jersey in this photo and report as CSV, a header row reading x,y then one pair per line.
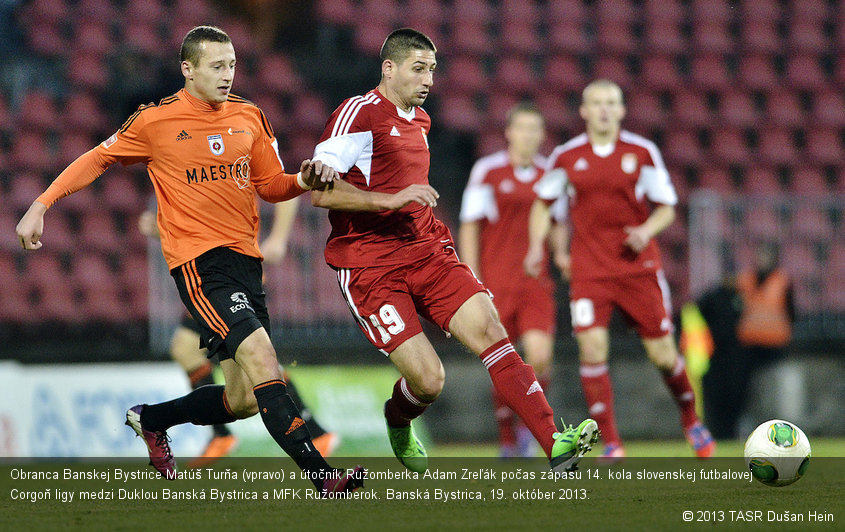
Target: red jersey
x,y
499,196
376,146
206,164
609,188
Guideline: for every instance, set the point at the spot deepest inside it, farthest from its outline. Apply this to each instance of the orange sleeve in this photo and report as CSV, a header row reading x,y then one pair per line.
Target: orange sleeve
x,y
126,146
281,188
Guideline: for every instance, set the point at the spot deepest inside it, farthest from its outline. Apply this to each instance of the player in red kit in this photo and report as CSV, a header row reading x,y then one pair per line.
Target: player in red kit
x,y
494,222
395,260
611,177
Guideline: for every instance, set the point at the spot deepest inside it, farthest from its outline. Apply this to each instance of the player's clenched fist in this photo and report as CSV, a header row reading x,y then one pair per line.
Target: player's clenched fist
x,y
31,226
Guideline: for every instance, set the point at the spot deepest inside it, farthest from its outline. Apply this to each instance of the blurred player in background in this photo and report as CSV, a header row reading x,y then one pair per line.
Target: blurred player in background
x,y
610,176
394,259
208,153
492,241
186,351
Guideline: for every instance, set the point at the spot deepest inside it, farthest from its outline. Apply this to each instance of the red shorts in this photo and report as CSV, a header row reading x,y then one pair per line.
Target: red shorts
x,y
644,301
529,307
386,300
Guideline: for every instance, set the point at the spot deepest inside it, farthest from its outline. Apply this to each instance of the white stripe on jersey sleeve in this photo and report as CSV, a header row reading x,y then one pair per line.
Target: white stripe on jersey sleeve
x,y
654,179
347,115
478,203
345,151
552,185
275,145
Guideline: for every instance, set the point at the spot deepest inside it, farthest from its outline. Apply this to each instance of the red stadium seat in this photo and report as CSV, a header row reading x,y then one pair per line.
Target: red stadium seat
x,y
809,182
118,192
80,202
613,67
563,72
98,232
689,109
809,10
498,107
276,73
763,224
514,75
71,146
824,146
717,180
88,72
38,112
777,147
645,110
729,147
568,37
660,72
573,10
807,37
805,72
737,109
761,181
489,142
518,11
664,37
760,37
663,11
783,109
310,113
191,10
96,11
380,12
710,71
519,38
757,72
31,152
425,13
711,36
471,11
619,11
615,37
144,38
799,260
811,224
45,37
339,12
719,11
556,114
92,38
828,109
82,112
149,13
464,74
472,38
683,148
46,11
769,10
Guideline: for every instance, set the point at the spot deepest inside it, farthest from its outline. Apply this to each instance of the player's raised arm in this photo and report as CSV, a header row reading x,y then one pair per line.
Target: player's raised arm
x,y
342,196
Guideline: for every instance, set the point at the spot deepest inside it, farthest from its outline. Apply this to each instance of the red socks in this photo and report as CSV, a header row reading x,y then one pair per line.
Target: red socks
x,y
678,383
403,406
519,389
598,391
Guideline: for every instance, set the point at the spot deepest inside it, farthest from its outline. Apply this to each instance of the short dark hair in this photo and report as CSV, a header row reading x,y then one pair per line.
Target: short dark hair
x,y
399,44
524,106
191,43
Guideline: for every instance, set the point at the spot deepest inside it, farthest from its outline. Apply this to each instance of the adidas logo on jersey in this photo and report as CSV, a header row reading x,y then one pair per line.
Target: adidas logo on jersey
x,y
394,132
535,387
182,136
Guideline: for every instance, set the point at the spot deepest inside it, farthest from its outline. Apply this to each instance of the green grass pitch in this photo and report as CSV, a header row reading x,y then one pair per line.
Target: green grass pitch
x,y
651,490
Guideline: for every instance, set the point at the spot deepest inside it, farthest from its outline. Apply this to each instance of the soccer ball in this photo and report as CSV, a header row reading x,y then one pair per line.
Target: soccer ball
x,y
777,453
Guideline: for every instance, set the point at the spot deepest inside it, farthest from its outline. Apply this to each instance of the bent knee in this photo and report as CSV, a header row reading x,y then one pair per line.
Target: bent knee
x,y
428,388
242,405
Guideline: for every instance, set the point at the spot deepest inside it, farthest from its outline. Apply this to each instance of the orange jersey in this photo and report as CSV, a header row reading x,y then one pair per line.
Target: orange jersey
x,y
206,165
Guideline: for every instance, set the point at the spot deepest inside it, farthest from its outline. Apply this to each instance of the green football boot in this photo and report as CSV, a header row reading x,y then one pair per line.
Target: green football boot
x,y
407,448
571,444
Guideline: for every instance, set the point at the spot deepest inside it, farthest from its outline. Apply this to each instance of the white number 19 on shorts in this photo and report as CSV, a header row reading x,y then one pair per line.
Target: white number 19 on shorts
x,y
387,322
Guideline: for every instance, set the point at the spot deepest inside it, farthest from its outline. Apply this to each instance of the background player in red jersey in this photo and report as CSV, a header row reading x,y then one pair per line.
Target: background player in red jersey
x,y
610,176
494,222
394,259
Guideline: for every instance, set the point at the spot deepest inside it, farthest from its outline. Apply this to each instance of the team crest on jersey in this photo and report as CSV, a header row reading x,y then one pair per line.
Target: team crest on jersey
x,y
629,163
425,137
506,186
240,171
581,164
215,143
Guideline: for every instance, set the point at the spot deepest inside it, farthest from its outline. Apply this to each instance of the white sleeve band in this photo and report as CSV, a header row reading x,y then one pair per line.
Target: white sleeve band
x,y
343,151
552,185
300,182
655,182
478,203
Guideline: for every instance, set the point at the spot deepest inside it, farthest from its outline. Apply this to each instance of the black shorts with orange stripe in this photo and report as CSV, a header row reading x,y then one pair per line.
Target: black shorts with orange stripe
x,y
222,290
